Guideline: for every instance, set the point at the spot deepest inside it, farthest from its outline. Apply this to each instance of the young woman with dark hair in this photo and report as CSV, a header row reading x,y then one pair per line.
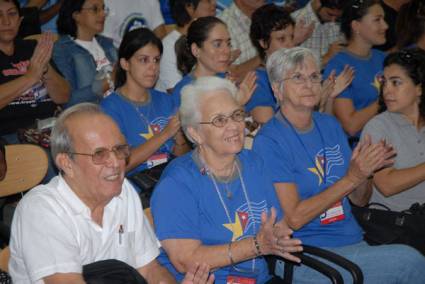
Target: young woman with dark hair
x,y
83,56
364,26
145,116
402,125
183,12
206,51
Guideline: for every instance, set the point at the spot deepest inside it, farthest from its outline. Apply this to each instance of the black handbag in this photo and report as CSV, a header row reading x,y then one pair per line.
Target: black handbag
x,y
383,226
111,271
146,181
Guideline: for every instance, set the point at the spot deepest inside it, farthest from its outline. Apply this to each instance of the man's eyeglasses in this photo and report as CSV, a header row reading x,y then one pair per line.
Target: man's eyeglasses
x,y
221,120
96,9
298,78
102,155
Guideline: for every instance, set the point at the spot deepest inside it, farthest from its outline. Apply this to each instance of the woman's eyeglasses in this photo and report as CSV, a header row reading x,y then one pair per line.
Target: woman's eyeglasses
x,y
221,120
298,78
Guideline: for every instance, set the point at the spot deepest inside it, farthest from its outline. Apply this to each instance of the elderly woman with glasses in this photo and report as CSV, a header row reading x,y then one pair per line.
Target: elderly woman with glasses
x,y
84,57
314,175
216,204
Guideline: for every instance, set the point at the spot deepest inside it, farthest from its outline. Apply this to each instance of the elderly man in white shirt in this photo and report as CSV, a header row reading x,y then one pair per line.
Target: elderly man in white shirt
x,y
86,214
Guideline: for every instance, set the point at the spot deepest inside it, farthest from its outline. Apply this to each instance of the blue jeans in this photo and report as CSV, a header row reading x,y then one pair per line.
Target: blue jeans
x,y
385,264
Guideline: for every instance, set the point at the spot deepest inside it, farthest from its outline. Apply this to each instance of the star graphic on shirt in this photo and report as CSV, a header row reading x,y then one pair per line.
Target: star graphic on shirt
x,y
318,169
148,135
235,228
376,84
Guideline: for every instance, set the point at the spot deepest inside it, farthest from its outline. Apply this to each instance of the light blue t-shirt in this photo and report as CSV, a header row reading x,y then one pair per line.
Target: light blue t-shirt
x,y
186,205
139,122
298,158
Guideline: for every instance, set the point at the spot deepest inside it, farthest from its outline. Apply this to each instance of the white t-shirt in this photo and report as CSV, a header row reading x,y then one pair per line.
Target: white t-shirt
x,y
127,15
169,75
53,232
94,48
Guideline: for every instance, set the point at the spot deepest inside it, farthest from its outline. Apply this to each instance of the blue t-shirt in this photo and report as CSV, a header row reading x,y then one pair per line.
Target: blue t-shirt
x,y
140,122
302,163
186,80
187,205
263,94
364,90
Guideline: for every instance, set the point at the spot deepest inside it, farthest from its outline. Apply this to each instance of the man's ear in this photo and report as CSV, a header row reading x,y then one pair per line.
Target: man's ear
x,y
65,164
263,44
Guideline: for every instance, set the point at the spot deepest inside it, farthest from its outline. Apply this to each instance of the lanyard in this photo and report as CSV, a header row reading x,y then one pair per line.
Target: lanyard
x,y
226,210
323,174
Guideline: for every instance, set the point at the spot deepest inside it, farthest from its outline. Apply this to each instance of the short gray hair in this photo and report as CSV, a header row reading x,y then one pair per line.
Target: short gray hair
x,y
286,59
60,138
195,92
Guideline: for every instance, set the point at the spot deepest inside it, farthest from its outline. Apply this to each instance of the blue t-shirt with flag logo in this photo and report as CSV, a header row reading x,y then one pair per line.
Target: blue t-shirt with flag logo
x,y
313,161
263,94
364,90
140,122
186,205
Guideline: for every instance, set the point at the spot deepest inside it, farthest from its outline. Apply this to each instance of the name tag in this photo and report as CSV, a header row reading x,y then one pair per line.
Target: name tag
x,y
333,214
239,280
157,159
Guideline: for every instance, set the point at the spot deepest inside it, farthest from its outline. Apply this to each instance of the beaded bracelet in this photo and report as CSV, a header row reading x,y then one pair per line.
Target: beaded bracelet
x,y
257,246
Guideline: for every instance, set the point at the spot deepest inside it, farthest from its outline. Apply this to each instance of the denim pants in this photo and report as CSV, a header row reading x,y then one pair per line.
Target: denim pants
x,y
385,264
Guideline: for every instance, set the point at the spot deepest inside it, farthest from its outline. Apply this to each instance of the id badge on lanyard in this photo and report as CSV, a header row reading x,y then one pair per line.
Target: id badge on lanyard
x,y
231,279
333,214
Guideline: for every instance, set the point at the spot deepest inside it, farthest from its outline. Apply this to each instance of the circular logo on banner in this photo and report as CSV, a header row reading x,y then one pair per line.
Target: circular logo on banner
x,y
132,22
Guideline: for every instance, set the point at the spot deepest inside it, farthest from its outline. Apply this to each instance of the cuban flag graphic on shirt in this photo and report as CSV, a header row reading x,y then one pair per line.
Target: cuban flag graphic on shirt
x,y
333,158
244,221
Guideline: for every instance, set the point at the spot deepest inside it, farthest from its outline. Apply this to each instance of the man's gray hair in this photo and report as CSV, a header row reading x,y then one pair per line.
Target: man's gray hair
x,y
194,93
60,139
286,59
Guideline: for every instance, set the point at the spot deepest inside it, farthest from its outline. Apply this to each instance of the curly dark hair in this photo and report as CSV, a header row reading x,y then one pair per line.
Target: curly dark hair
x,y
265,20
412,61
355,10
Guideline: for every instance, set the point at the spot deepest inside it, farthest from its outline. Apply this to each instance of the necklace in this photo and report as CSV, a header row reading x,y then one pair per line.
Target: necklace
x,y
226,210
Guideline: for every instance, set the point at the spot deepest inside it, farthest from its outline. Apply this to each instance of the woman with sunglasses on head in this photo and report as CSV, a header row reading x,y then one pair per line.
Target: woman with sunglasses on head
x,y
402,125
315,174
206,51
215,204
145,116
84,57
363,24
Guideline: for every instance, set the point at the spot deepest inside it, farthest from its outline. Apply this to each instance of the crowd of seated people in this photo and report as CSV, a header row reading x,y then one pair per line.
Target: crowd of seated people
x,y
340,123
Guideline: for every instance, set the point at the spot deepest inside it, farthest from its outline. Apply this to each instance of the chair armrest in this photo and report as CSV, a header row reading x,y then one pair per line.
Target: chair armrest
x,y
309,261
348,265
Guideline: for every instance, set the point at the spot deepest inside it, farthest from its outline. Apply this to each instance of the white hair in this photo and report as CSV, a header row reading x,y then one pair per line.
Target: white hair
x,y
193,94
286,59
